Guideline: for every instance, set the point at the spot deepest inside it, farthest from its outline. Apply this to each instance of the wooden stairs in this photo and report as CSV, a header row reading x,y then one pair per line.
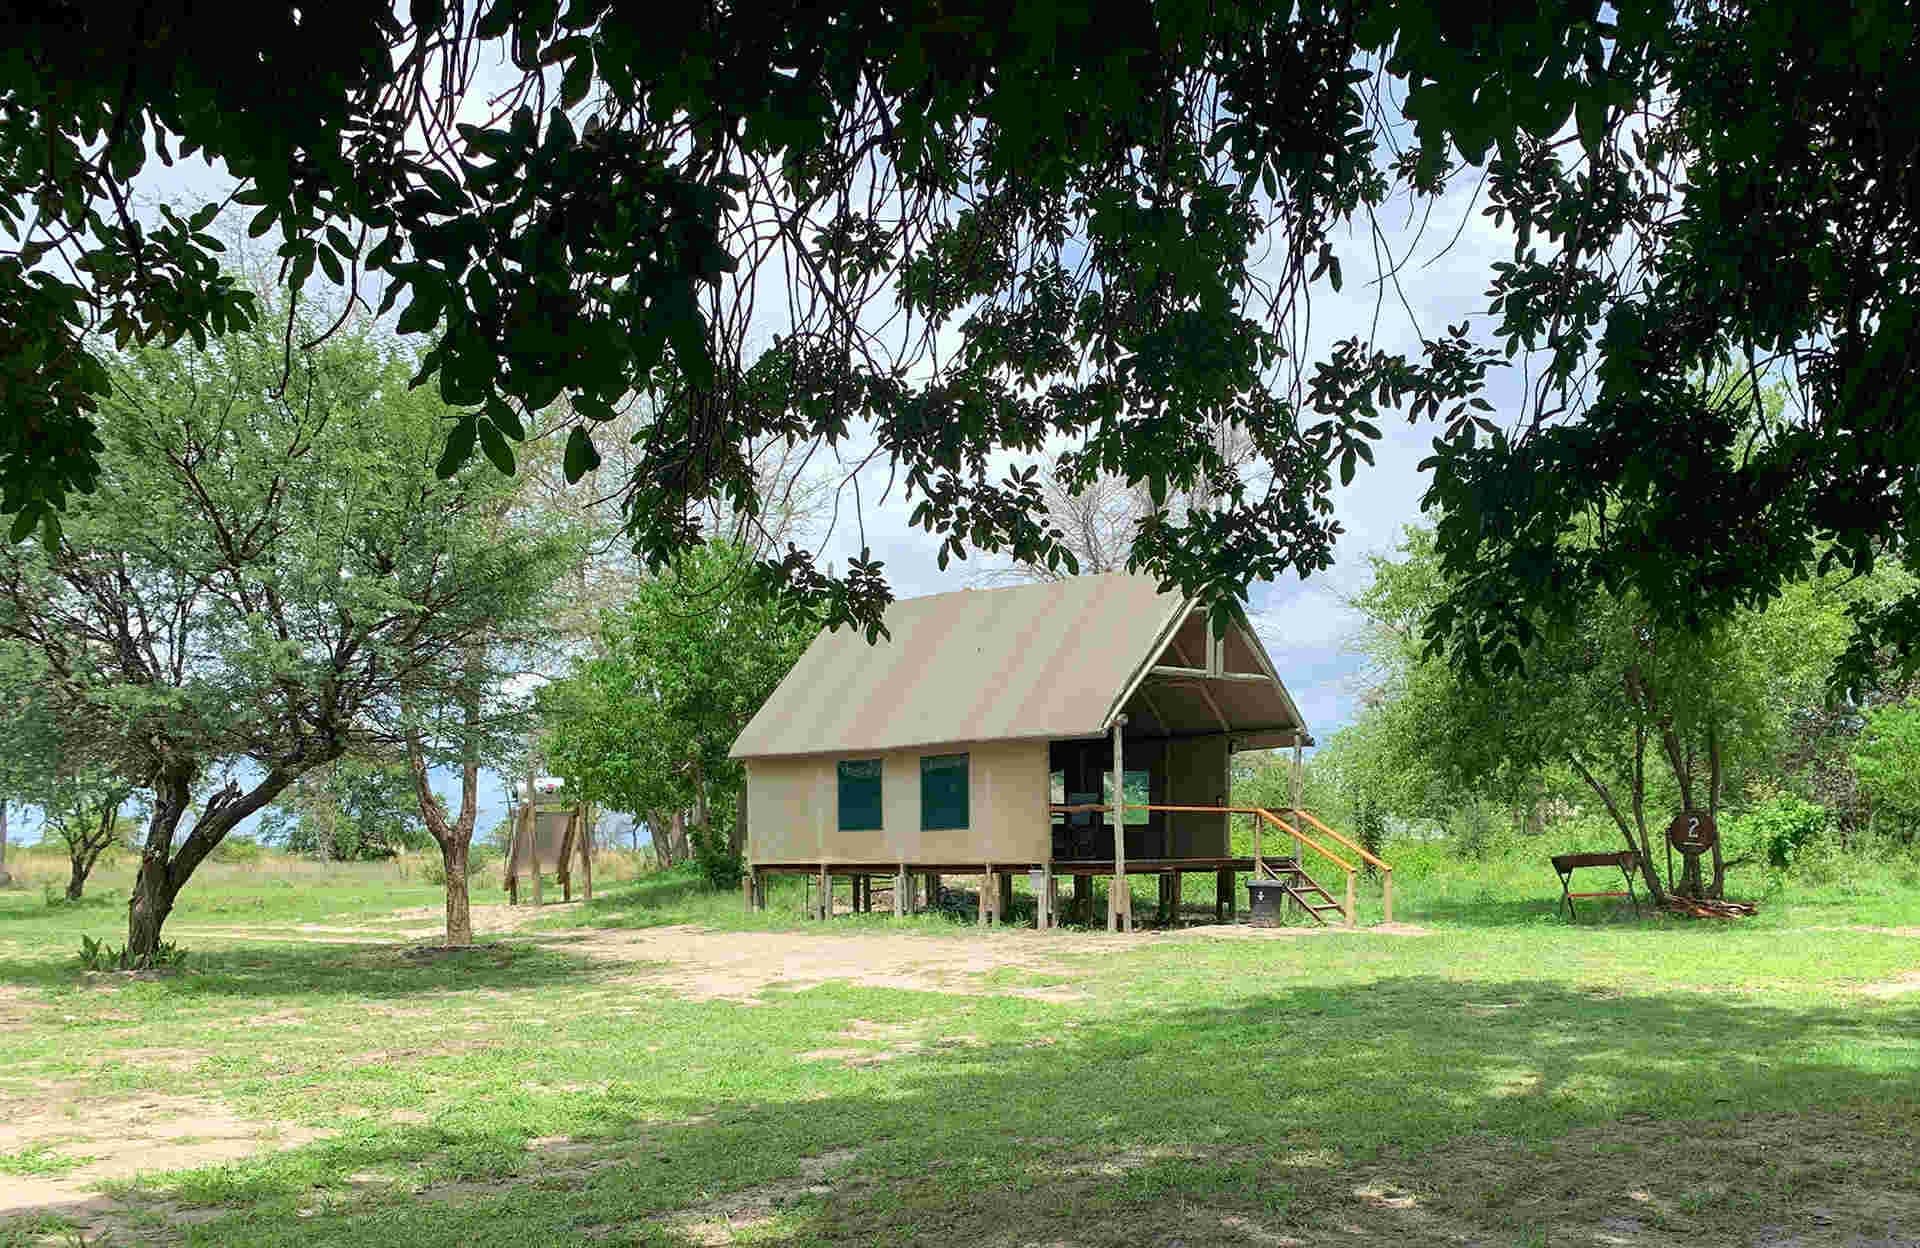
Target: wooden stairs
x,y
1303,889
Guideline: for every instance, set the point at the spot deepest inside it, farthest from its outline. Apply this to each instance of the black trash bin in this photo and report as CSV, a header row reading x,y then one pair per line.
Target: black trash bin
x,y
1265,901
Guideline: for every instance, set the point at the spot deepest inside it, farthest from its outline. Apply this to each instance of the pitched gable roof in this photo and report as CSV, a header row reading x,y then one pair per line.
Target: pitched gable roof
x,y
1050,660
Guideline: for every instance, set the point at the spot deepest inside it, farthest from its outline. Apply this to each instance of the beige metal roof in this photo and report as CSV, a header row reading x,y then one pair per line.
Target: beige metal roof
x,y
1052,660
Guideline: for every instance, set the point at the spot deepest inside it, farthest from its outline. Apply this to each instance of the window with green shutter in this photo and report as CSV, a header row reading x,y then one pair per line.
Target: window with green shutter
x,y
943,791
859,794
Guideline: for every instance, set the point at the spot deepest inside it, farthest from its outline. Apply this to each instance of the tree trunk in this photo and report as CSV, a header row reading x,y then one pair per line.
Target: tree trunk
x,y
154,886
455,836
4,877
77,875
453,854
660,829
1719,887
147,910
1649,876
677,834
165,868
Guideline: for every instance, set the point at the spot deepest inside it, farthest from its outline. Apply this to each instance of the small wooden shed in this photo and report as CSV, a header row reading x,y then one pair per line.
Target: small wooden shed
x,y
991,729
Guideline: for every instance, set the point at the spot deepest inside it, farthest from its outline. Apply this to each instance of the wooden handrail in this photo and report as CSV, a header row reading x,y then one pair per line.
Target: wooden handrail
x,y
1304,839
1307,816
1261,811
1355,847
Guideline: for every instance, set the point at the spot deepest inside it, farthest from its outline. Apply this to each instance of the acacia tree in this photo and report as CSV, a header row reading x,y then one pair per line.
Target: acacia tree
x,y
263,562
84,814
1097,227
47,765
349,810
645,725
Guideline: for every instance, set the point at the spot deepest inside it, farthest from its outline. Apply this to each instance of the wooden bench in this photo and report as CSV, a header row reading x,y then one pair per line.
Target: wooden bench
x,y
1564,865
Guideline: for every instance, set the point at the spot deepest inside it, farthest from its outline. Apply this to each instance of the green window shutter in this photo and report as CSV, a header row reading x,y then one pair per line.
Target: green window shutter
x,y
943,791
859,795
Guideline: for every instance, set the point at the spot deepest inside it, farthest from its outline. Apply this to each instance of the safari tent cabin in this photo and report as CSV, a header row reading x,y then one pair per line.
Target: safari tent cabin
x,y
982,736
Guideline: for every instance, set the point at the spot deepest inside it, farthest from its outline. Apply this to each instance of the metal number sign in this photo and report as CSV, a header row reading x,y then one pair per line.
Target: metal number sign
x,y
1692,832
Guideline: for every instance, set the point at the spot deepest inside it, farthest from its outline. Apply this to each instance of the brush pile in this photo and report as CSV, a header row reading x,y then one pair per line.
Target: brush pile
x,y
1708,907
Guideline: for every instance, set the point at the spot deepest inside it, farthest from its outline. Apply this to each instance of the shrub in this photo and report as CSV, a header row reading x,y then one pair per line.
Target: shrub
x,y
433,867
719,865
98,955
1777,831
243,850
1887,761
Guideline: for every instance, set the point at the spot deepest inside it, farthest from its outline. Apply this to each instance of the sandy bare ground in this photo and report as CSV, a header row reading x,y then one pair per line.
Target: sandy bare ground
x,y
706,965
119,1138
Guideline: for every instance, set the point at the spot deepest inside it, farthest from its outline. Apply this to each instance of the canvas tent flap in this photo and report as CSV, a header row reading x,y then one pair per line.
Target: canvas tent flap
x,y
1044,660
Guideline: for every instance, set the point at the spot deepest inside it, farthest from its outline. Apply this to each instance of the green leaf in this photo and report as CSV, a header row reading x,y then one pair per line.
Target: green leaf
x,y
501,413
459,447
578,78
496,446
581,456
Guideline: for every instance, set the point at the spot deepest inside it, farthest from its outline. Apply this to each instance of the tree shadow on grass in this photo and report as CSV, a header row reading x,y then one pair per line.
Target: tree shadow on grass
x,y
1542,911
348,969
1417,1108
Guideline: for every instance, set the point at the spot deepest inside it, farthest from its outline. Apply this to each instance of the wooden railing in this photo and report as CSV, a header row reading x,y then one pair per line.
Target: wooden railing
x,y
1263,816
1379,864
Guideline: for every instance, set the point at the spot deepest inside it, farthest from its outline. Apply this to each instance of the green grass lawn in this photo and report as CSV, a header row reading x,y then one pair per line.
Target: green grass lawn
x,y
315,1077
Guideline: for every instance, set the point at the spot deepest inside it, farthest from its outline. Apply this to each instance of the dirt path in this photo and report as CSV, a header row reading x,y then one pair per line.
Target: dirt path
x,y
702,964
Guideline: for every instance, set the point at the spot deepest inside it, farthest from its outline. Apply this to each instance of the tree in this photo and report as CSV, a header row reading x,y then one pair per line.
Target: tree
x,y
84,814
1647,718
349,810
1097,229
261,569
1887,760
645,725
47,765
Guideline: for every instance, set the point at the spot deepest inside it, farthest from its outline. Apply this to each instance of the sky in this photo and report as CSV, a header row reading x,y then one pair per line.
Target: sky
x,y
1443,272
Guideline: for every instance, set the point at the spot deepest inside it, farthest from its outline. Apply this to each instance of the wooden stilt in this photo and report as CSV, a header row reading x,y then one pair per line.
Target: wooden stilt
x,y
1222,892
986,882
1120,915
1083,899
826,894
586,850
746,890
901,901
1005,908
